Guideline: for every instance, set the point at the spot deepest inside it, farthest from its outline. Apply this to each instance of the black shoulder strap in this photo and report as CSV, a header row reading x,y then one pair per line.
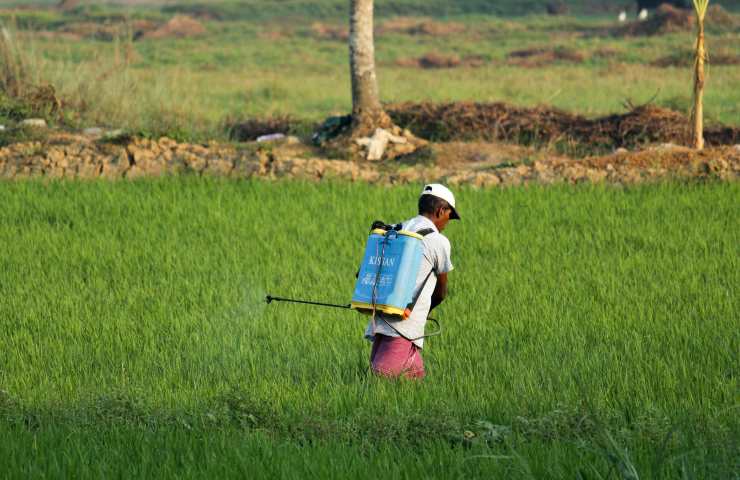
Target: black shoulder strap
x,y
426,231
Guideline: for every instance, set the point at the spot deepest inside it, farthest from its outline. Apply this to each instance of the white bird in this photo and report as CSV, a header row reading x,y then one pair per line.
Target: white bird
x,y
643,14
622,16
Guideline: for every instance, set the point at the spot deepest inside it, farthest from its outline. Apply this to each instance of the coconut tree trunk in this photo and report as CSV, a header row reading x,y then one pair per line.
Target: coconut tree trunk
x,y
698,127
367,112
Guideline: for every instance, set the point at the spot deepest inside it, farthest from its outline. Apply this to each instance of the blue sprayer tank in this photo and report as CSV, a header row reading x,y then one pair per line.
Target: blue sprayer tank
x,y
388,272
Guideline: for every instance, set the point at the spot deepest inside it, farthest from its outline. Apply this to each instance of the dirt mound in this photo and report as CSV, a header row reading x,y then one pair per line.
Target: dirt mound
x,y
665,19
400,25
419,26
200,11
541,56
717,16
179,26
686,59
106,32
547,125
433,60
669,19
329,32
248,130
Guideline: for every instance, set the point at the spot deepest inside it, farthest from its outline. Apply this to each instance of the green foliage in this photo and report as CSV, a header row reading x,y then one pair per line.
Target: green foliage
x,y
587,329
31,19
14,134
14,109
700,6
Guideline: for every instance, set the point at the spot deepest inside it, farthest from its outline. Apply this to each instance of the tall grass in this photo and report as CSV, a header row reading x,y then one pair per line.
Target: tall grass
x,y
575,316
14,72
189,87
95,87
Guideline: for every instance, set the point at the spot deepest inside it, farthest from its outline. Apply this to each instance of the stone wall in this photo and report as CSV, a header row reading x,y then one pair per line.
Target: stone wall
x,y
69,156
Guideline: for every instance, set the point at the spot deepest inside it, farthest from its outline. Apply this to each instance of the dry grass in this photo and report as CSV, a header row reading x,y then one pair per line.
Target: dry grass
x,y
179,26
546,125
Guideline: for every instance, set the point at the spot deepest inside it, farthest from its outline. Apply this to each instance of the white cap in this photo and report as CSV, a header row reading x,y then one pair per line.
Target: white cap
x,y
440,191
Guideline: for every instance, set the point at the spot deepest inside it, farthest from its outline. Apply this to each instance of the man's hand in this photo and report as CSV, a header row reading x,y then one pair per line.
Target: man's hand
x,y
440,290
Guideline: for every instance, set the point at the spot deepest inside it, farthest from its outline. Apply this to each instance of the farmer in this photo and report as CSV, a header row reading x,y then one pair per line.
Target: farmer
x,y
397,347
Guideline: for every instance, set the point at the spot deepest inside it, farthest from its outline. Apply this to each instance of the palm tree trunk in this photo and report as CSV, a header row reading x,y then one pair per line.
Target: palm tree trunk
x,y
367,112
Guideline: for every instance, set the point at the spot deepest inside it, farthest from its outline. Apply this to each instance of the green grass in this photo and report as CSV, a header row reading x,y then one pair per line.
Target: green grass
x,y
257,67
135,323
261,10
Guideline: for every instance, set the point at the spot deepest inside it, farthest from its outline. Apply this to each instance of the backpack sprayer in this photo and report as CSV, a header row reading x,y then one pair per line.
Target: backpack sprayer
x,y
387,277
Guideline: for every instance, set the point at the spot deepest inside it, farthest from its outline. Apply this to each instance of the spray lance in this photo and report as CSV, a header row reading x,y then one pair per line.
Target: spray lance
x,y
387,276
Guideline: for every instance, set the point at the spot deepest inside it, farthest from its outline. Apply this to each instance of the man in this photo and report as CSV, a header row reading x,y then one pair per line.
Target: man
x,y
397,343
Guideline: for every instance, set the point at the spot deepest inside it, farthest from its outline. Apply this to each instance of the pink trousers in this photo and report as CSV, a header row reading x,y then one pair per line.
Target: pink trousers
x,y
396,356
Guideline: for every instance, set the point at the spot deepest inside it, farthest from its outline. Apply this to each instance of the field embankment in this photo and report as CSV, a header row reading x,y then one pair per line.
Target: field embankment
x,y
478,164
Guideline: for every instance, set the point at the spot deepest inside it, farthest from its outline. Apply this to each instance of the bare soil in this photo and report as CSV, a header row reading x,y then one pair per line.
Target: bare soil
x,y
685,59
480,164
397,25
419,26
179,26
433,60
543,56
669,19
466,121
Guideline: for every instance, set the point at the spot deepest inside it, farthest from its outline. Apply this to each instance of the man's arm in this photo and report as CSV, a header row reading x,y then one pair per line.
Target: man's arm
x,y
440,290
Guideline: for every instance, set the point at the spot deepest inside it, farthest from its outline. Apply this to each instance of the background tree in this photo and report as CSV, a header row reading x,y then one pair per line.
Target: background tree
x,y
701,55
367,112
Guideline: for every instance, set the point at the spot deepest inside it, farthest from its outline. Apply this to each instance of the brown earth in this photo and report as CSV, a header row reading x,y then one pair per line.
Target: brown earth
x,y
101,31
399,25
686,59
669,19
179,26
419,26
541,56
329,32
479,165
434,60
444,122
665,19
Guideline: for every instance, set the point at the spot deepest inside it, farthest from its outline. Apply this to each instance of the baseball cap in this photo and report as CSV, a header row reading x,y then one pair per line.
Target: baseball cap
x,y
440,191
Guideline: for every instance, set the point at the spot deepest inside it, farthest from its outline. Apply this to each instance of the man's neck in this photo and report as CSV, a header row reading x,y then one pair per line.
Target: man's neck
x,y
431,219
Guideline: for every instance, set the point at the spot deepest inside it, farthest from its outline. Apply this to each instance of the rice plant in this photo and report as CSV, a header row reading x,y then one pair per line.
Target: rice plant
x,y
588,330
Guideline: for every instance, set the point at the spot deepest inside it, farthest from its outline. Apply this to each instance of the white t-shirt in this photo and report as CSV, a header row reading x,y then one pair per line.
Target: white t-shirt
x,y
436,255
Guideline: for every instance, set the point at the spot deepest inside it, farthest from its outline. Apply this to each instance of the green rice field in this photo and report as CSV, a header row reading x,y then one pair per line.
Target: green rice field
x,y
590,332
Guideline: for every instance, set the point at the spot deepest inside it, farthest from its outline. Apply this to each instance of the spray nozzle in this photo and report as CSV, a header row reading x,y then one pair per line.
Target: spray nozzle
x,y
268,299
